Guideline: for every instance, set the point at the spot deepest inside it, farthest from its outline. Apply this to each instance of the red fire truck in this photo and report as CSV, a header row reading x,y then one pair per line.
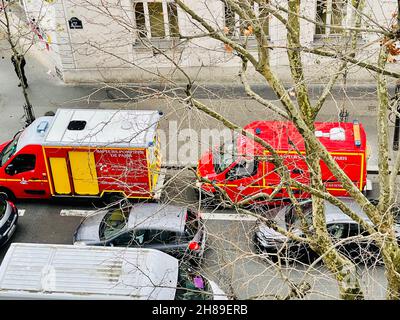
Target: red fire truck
x,y
84,153
236,167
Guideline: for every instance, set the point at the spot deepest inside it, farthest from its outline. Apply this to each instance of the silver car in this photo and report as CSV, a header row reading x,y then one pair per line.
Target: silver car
x,y
178,231
8,220
338,224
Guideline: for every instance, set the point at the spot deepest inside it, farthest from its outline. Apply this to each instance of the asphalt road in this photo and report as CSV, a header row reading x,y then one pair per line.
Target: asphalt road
x,y
230,258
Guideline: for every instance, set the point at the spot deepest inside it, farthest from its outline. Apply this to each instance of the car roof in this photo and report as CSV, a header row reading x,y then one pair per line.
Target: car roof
x,y
334,214
157,216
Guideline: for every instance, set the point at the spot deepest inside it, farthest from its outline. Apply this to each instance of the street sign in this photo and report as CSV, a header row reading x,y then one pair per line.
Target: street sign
x,y
75,23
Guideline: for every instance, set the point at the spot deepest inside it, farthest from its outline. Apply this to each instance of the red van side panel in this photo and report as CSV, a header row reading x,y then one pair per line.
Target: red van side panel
x,y
118,170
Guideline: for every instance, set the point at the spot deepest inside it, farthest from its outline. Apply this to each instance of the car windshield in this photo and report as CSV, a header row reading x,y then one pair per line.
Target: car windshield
x,y
113,223
225,156
9,150
3,207
293,218
192,286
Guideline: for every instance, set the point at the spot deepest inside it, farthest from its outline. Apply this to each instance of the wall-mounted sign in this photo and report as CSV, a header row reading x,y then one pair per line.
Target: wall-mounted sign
x,y
75,23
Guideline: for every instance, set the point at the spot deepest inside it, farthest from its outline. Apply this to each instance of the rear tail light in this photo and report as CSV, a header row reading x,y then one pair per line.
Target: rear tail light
x,y
194,246
12,205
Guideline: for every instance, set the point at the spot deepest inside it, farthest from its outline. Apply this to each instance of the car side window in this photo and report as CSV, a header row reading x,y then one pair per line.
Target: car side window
x,y
162,237
21,163
293,220
338,230
243,169
125,239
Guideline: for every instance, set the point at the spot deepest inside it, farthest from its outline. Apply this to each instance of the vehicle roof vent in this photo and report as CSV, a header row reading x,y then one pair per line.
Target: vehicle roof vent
x,y
76,125
42,126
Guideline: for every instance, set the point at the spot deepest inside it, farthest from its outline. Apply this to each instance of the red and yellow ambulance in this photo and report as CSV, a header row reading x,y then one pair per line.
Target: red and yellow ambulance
x,y
84,153
242,169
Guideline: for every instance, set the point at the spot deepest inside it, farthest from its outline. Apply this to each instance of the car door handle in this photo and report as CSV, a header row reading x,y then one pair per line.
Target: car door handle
x,y
34,179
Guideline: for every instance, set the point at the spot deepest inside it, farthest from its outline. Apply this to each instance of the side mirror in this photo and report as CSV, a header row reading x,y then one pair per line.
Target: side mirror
x,y
10,169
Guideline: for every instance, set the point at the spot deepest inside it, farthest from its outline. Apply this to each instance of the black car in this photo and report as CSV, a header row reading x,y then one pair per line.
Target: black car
x,y
339,226
8,220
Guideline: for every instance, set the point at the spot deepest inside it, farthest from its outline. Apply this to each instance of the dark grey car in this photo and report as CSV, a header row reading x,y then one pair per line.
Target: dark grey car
x,y
175,230
8,220
339,225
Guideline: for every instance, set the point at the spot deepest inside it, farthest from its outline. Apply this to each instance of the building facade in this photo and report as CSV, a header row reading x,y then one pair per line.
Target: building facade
x,y
128,40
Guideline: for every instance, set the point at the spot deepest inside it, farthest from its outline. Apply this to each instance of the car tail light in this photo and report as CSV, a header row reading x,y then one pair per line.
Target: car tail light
x,y
12,205
193,246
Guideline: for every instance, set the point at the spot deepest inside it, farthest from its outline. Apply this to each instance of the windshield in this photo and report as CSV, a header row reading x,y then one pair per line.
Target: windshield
x,y
9,150
294,221
192,286
3,207
226,155
112,224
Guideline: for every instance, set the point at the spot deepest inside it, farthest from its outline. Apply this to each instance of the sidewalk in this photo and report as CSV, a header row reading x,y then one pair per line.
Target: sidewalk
x,y
47,92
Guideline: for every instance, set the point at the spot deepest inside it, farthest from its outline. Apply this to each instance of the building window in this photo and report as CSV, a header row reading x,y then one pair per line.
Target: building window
x,y
235,26
330,13
156,19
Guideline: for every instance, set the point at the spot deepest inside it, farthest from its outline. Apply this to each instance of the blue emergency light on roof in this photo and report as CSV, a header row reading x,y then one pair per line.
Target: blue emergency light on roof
x,y
42,126
258,131
357,134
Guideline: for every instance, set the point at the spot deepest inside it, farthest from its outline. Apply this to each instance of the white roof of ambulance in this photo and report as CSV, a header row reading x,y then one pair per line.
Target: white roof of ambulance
x,y
48,271
105,128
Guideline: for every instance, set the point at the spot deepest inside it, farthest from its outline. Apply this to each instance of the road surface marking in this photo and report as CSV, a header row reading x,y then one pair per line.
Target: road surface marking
x,y
205,215
227,216
21,212
76,213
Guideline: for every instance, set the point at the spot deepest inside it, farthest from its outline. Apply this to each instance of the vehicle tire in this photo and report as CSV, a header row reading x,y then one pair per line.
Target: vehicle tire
x,y
10,195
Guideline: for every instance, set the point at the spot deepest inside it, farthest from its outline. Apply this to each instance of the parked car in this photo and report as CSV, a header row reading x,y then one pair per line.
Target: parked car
x,y
339,226
8,219
178,231
49,271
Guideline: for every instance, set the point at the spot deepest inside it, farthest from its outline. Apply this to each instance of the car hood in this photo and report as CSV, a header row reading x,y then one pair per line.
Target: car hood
x,y
269,233
88,230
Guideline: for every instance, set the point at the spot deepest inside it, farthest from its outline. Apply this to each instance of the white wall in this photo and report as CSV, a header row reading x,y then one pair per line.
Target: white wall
x,y
105,49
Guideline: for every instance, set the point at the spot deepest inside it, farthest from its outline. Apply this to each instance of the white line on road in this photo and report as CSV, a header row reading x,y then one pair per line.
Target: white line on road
x,y
227,216
76,213
21,212
205,215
